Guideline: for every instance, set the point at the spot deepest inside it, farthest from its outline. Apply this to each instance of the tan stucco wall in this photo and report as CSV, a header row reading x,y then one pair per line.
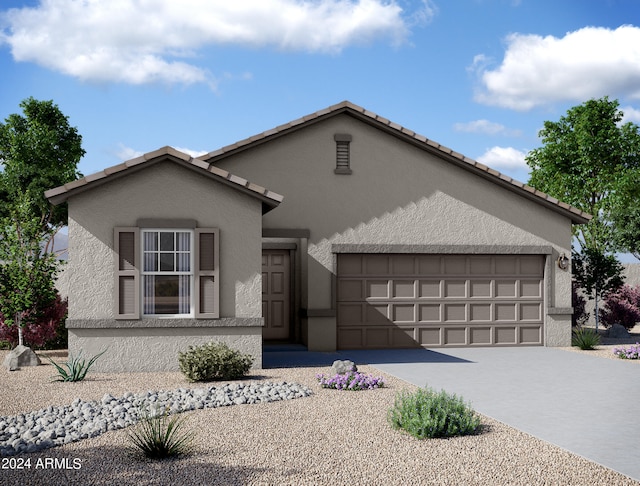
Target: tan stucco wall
x,y
167,191
397,194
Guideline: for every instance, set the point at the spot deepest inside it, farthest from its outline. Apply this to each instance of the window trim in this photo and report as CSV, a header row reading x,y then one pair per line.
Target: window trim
x,y
191,272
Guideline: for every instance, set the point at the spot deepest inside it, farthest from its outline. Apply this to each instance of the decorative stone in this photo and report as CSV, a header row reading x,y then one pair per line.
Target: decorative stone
x,y
21,356
340,367
618,331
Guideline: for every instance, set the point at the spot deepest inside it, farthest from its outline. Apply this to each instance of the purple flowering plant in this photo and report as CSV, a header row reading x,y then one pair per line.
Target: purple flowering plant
x,y
632,352
351,380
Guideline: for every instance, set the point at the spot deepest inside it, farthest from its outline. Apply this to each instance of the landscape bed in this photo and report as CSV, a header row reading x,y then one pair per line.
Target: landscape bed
x,y
332,437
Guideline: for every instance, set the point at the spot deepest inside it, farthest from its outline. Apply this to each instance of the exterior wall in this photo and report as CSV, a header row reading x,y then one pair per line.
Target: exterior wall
x,y
397,195
163,191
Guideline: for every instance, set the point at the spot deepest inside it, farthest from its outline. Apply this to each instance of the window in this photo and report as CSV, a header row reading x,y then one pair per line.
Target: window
x,y
167,273
343,153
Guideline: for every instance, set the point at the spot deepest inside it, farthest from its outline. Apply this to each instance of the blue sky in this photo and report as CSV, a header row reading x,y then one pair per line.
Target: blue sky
x,y
479,76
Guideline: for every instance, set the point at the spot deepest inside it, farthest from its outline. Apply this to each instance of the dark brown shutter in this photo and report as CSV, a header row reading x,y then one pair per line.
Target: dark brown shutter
x,y
343,153
127,295
207,276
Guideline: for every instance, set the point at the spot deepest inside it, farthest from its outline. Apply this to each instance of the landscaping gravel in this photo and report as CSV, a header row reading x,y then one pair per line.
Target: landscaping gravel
x,y
328,438
56,425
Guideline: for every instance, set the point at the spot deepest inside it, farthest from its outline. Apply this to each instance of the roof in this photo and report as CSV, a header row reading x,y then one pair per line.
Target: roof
x,y
576,215
60,194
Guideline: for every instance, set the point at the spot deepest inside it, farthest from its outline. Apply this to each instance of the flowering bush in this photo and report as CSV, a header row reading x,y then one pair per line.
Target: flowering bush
x,y
351,381
622,307
632,352
41,330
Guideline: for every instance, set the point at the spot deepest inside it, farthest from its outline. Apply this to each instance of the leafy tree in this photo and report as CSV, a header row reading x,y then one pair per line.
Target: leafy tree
x,y
598,273
27,274
625,216
587,160
622,307
39,151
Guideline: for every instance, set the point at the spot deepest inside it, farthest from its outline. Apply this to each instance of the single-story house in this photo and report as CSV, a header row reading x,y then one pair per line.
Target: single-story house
x,y
339,230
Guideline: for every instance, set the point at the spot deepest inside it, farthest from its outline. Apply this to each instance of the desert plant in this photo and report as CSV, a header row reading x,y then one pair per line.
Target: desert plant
x,y
214,361
75,369
585,338
159,436
350,381
622,307
429,414
632,352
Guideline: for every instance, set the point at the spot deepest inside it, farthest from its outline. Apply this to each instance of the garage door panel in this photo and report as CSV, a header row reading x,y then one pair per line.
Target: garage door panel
x,y
439,300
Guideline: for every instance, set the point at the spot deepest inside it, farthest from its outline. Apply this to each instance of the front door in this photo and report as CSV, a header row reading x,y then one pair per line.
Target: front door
x,y
276,299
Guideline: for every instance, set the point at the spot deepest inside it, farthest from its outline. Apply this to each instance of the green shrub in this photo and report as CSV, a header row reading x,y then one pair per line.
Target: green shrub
x,y
585,338
427,414
214,361
159,436
75,369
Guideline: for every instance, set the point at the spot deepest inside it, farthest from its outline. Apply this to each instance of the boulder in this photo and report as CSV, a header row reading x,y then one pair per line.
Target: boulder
x,y
21,356
340,367
618,331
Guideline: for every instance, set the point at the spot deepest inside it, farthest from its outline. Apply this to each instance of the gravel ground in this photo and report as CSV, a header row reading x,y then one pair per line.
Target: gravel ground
x,y
331,438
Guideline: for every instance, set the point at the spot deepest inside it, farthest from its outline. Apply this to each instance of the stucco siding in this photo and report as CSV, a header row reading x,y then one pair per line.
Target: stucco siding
x,y
397,194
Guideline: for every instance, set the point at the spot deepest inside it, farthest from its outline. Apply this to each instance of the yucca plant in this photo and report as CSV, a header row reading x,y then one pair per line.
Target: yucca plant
x,y
76,367
160,436
585,338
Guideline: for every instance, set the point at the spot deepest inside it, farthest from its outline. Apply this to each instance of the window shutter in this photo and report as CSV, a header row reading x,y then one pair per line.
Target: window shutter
x,y
207,275
127,253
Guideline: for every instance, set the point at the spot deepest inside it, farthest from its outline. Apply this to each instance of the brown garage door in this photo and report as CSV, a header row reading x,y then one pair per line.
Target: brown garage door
x,y
397,301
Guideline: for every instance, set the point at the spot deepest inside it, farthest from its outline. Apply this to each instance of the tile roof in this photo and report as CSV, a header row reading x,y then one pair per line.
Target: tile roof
x,y
576,215
60,194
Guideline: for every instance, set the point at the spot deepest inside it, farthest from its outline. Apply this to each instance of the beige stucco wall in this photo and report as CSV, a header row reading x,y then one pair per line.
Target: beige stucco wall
x,y
397,194
168,191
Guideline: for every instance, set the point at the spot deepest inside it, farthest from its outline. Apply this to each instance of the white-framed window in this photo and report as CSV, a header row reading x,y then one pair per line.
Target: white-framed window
x,y
167,272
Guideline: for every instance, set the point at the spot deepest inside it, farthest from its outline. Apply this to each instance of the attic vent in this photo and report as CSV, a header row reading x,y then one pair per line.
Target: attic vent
x,y
343,156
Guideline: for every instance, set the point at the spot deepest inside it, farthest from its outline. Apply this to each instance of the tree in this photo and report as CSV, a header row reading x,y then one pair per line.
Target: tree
x,y
587,160
38,151
599,274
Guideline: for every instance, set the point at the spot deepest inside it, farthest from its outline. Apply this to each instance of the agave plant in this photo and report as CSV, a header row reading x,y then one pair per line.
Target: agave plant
x,y
76,367
159,436
585,338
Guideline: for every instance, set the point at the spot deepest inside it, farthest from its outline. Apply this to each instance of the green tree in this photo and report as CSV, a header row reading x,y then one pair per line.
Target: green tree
x,y
597,273
39,150
587,159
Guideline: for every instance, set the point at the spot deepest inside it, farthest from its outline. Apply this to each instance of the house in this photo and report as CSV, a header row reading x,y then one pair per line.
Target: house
x,y
368,236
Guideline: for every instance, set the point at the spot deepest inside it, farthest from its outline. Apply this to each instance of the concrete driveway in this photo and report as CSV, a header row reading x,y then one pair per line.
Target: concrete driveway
x,y
587,405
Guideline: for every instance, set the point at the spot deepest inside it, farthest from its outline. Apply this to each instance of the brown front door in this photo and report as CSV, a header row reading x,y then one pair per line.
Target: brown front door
x,y
276,300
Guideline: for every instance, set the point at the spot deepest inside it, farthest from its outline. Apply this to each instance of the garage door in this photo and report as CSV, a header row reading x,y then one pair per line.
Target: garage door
x,y
397,301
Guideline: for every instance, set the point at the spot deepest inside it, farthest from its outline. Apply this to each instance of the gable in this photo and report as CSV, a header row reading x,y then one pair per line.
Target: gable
x,y
407,136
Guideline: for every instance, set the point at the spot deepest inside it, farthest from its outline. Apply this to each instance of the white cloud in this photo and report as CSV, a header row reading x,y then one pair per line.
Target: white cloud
x,y
500,158
589,63
152,40
193,153
630,115
486,127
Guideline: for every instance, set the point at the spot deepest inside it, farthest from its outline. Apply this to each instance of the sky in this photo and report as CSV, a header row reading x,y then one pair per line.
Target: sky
x,y
477,76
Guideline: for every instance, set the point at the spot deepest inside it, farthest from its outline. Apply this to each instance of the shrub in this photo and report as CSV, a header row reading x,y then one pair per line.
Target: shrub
x,y
42,330
585,338
621,307
632,352
75,369
214,361
427,414
159,436
579,304
350,381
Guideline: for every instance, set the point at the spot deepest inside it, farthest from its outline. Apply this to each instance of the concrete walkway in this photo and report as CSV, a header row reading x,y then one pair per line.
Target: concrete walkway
x,y
587,405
